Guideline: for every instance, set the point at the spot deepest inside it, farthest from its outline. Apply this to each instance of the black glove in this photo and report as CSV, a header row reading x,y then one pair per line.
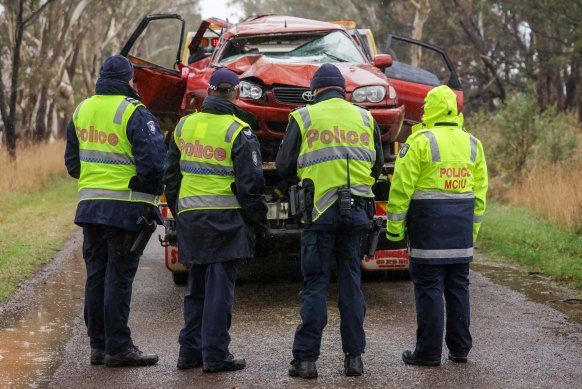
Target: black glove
x,y
263,244
155,188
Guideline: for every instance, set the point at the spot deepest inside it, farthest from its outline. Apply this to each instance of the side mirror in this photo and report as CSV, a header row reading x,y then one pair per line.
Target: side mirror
x,y
382,61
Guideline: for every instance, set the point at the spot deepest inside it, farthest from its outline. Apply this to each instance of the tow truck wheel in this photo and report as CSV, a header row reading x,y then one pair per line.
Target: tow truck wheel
x,y
180,278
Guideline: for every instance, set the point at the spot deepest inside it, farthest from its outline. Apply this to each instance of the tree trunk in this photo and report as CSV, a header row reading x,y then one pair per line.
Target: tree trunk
x,y
420,17
40,129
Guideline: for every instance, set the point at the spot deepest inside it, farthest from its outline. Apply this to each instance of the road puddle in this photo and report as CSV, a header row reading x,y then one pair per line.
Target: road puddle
x,y
535,286
32,341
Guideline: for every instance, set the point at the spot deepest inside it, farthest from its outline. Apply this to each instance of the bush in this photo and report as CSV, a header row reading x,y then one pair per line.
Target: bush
x,y
519,134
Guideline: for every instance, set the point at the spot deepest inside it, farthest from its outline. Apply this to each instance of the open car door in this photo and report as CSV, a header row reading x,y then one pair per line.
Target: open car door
x,y
417,67
155,50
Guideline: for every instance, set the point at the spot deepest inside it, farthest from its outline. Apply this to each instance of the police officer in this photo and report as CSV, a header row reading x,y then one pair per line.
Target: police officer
x,y
322,143
214,186
116,150
438,192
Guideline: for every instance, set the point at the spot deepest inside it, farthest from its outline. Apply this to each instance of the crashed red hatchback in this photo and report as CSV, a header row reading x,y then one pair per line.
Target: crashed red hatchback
x,y
275,58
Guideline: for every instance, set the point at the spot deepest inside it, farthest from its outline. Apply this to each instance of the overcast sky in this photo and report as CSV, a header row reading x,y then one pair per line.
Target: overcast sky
x,y
218,8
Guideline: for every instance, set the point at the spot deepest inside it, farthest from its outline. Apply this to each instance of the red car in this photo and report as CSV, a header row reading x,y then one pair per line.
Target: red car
x,y
275,58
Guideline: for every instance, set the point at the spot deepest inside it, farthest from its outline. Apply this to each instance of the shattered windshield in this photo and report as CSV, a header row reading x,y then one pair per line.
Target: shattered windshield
x,y
324,46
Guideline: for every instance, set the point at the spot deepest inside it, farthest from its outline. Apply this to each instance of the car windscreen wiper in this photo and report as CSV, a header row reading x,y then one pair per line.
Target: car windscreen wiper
x,y
334,57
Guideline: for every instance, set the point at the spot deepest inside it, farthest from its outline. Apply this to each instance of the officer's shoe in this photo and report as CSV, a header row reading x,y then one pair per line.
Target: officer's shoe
x,y
353,366
185,363
97,356
303,369
457,359
410,359
130,357
229,364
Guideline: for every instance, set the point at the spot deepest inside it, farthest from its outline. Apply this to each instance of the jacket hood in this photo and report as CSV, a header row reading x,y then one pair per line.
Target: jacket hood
x,y
440,105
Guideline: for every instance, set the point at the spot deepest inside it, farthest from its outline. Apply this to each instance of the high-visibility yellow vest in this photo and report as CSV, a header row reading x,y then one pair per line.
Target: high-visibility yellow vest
x,y
107,162
205,141
334,131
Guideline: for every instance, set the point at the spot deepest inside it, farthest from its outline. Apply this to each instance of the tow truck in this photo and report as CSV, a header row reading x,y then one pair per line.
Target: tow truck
x,y
275,58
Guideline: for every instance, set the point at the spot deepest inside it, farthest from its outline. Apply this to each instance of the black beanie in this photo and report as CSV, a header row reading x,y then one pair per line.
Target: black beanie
x,y
117,67
327,75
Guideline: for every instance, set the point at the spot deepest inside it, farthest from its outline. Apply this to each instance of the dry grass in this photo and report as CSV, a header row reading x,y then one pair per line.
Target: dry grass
x,y
553,191
33,168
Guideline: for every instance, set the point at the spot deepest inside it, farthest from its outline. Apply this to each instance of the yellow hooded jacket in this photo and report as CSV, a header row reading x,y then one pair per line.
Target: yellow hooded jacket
x,y
439,185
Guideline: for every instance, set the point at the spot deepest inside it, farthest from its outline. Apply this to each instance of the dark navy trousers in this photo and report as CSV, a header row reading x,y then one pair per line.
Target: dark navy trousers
x,y
208,312
110,276
431,282
332,237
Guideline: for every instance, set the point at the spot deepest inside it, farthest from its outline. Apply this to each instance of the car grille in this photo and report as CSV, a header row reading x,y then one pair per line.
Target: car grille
x,y
290,95
277,126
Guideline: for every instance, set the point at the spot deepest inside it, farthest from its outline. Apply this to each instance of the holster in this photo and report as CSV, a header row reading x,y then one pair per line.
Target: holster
x,y
372,236
301,200
135,242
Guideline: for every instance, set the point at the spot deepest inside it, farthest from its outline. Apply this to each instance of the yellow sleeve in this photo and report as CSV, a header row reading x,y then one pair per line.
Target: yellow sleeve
x,y
406,174
480,189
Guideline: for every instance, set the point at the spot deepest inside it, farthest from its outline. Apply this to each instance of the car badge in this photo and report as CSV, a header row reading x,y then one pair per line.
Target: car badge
x,y
308,96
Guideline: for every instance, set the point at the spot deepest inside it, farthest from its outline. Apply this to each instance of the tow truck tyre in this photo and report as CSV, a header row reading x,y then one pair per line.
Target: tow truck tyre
x,y
180,278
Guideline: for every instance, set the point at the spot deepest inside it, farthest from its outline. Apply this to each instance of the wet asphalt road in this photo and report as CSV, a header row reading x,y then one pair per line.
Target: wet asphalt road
x,y
517,343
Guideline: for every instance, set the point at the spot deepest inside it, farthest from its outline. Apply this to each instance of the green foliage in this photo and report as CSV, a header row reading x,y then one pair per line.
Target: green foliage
x,y
559,138
32,228
519,133
516,234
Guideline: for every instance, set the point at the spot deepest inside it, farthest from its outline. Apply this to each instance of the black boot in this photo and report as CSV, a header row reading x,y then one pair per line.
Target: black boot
x,y
229,364
353,366
411,359
130,357
97,356
303,369
185,363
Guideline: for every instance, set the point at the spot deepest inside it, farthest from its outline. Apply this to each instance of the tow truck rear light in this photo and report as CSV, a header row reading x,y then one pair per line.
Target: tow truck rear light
x,y
214,42
166,212
381,208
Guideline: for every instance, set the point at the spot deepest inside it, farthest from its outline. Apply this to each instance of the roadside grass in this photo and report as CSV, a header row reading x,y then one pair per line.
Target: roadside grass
x,y
33,227
34,166
553,191
516,234
38,206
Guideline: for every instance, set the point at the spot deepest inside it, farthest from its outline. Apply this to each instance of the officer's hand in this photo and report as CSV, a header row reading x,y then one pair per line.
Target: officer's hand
x,y
263,245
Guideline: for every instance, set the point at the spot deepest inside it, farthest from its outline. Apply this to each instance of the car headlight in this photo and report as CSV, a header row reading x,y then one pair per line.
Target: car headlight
x,y
250,91
369,94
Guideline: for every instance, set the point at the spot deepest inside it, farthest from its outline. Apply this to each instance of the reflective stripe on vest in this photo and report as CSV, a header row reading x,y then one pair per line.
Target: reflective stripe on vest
x,y
105,157
331,196
473,149
127,195
434,146
447,253
396,217
202,168
436,195
209,202
333,153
